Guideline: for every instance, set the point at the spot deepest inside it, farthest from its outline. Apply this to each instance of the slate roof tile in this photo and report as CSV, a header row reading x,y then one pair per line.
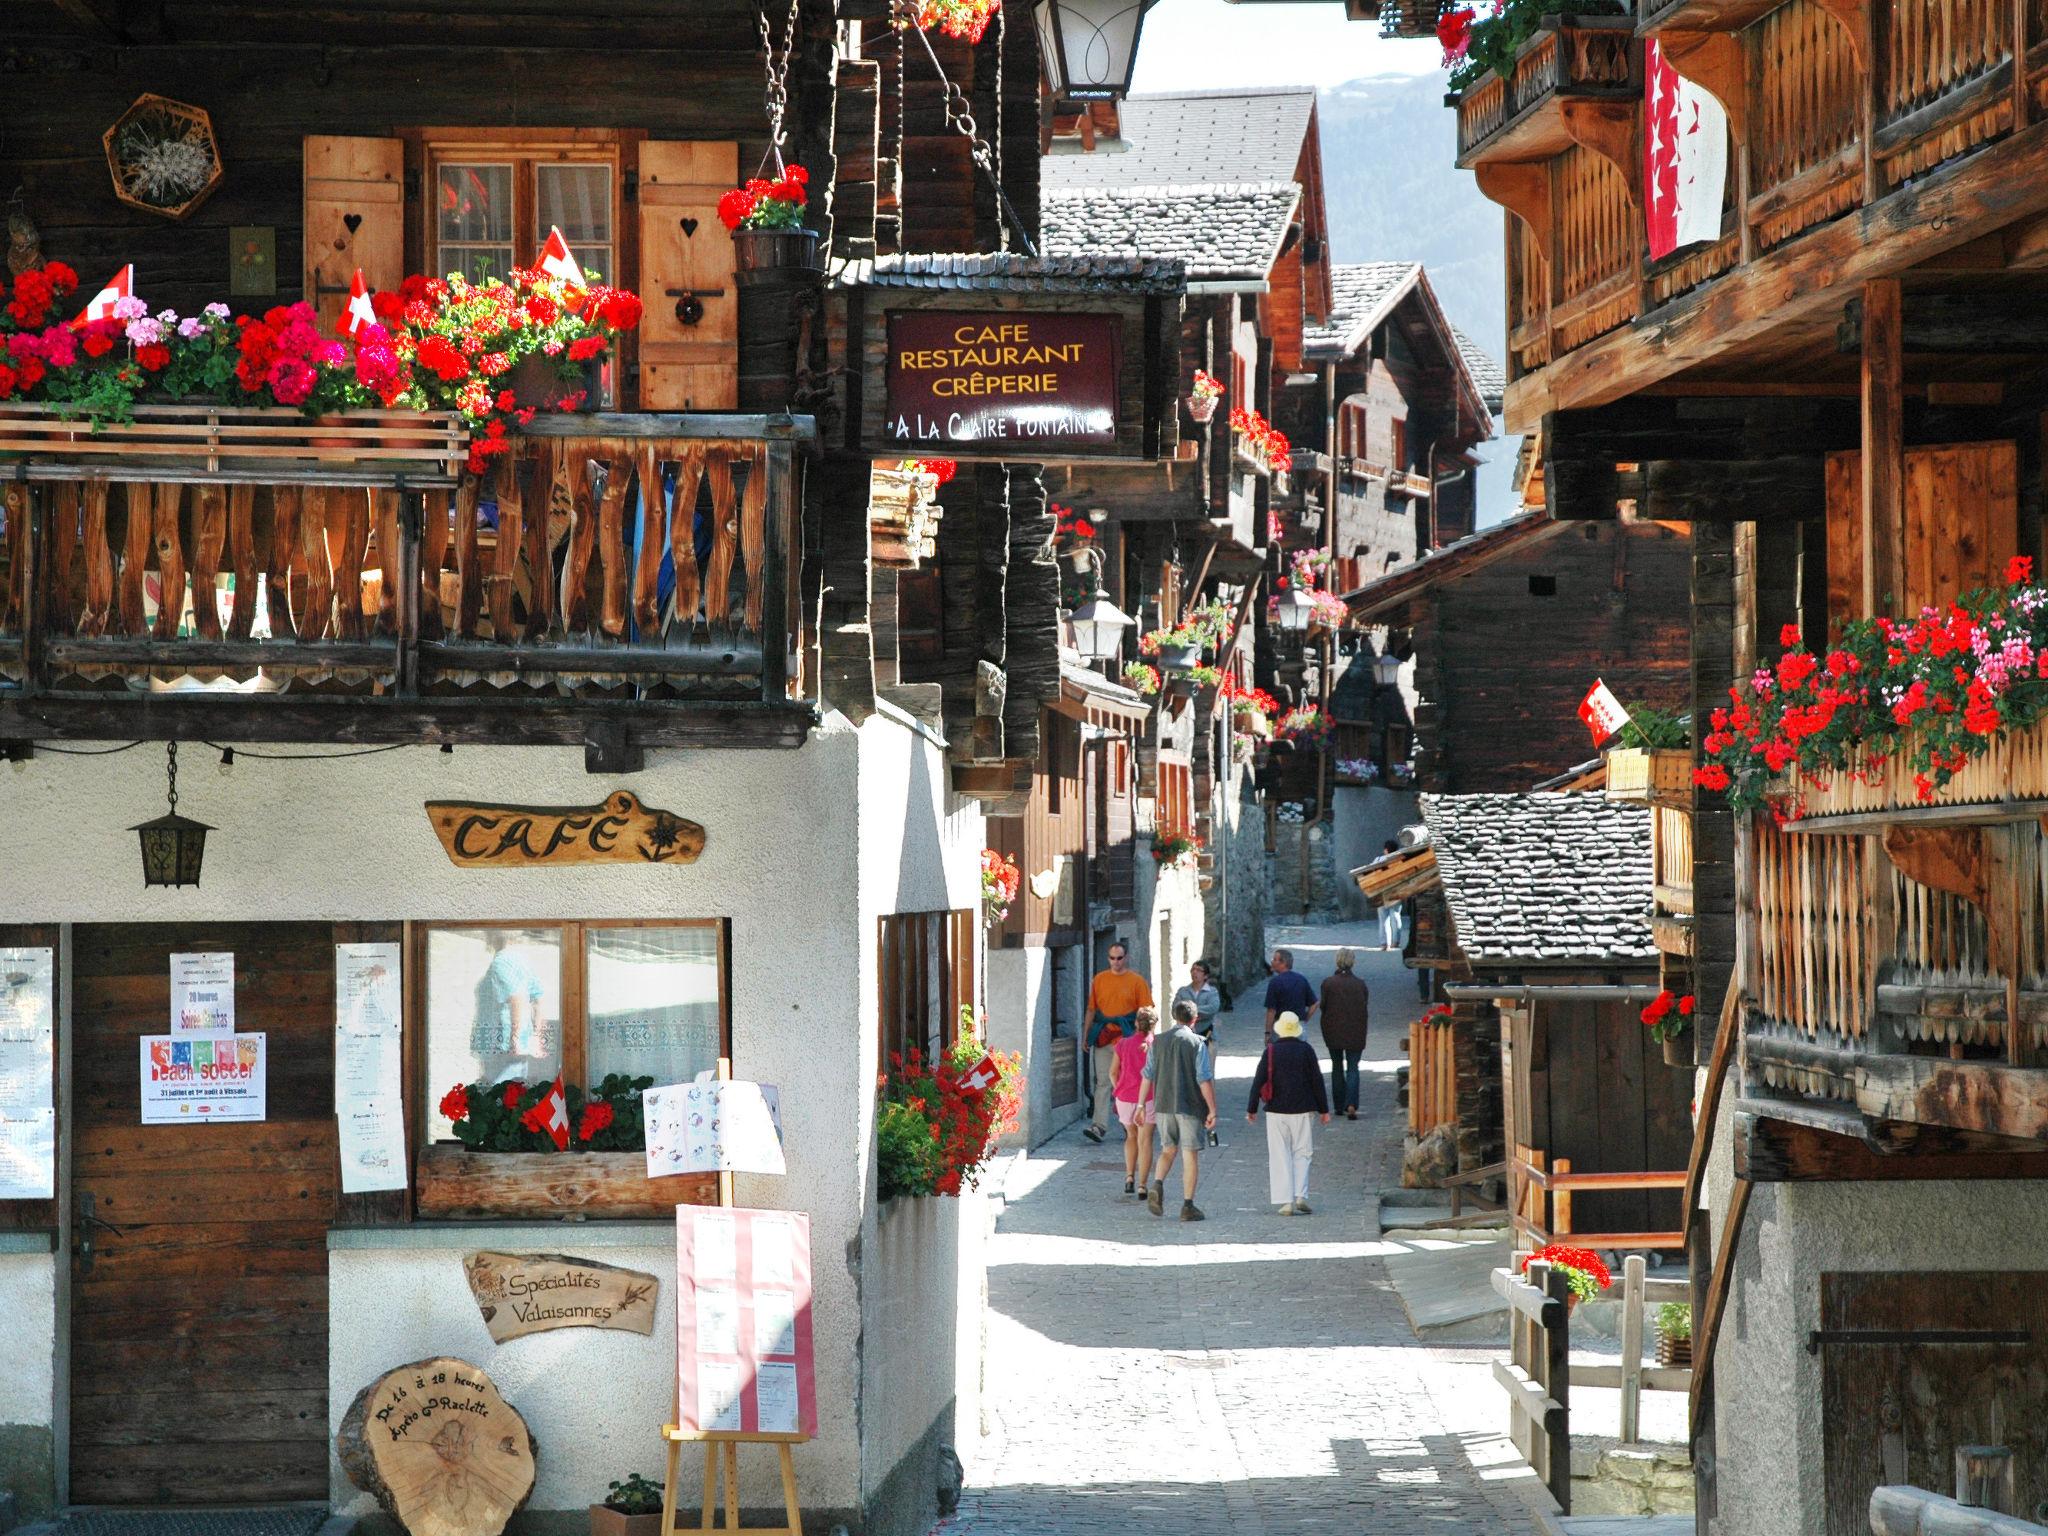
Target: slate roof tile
x,y
1193,138
1220,231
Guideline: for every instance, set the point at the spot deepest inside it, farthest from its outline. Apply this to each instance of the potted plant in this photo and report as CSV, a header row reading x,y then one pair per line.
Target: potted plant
x,y
769,241
999,882
1176,848
1668,1017
1141,677
632,1508
1581,1268
1651,759
1674,1334
965,19
940,1118
1206,391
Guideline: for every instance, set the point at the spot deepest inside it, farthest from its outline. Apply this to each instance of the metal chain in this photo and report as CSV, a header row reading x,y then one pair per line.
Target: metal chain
x,y
960,117
171,751
777,95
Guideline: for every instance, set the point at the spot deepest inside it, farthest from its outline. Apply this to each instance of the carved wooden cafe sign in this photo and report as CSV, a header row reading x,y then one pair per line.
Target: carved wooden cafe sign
x,y
619,831
522,1293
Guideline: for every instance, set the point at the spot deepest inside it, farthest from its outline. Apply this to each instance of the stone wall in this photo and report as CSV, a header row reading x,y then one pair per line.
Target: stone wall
x,y
1323,899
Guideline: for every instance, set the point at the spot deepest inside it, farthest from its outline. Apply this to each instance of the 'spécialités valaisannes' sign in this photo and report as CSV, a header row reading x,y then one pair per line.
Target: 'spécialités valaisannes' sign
x,y
956,379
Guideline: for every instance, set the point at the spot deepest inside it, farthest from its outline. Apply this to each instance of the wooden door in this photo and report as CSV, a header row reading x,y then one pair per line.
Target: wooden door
x,y
687,364
354,218
199,1320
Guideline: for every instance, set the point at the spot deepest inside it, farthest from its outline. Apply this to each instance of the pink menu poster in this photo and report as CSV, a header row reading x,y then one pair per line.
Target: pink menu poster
x,y
743,1322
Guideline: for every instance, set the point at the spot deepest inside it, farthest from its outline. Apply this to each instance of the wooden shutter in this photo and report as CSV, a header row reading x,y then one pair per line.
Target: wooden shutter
x,y
684,249
355,217
1962,524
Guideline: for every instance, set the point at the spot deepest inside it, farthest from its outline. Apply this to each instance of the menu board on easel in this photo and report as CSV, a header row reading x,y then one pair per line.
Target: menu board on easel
x,y
743,1323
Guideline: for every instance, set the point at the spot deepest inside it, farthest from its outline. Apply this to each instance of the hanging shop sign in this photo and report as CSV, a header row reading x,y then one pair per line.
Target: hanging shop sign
x,y
187,1079
522,1293
620,831
1039,375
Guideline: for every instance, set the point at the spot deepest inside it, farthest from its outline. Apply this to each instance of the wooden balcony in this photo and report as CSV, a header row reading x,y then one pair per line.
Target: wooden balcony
x,y
1527,115
616,581
2009,783
1950,101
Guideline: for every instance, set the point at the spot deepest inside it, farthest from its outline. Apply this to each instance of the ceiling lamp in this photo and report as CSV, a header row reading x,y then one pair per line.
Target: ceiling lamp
x,y
173,846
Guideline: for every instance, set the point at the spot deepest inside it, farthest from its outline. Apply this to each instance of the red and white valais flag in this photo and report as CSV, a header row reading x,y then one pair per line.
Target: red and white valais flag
x,y
101,305
360,312
556,259
556,1109
1602,712
1685,157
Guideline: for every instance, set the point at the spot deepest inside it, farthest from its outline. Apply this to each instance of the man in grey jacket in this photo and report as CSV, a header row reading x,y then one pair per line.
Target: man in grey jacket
x,y
1180,1080
1201,992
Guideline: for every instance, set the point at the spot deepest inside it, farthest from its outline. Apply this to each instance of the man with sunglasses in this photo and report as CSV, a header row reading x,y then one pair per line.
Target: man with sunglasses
x,y
1114,998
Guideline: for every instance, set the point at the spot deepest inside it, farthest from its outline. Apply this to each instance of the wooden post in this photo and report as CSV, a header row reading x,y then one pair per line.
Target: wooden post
x,y
1557,1382
1560,1223
1984,1477
724,1177
1884,446
1631,1346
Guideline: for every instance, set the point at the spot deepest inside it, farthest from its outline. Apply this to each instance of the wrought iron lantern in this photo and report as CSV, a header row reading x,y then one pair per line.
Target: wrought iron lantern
x,y
1090,46
1386,669
1296,608
173,846
1099,624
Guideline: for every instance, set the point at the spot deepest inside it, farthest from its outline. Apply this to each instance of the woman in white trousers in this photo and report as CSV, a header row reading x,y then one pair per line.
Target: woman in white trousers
x,y
1288,1088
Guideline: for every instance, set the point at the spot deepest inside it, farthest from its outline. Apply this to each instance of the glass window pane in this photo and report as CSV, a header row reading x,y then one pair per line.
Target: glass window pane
x,y
476,262
475,204
494,1010
577,199
652,994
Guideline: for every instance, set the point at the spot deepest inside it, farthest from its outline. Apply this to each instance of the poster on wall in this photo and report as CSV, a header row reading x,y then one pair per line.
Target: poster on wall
x,y
713,1127
28,1154
191,1078
743,1322
372,1141
203,993
367,1024
28,998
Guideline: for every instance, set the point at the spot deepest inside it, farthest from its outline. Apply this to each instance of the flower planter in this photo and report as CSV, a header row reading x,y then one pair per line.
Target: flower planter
x,y
1650,775
1180,658
1674,1353
539,385
606,1521
765,257
1678,1049
1203,408
456,1183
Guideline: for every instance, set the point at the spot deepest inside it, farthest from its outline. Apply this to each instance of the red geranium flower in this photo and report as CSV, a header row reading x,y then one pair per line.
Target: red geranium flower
x,y
513,1093
597,1114
455,1103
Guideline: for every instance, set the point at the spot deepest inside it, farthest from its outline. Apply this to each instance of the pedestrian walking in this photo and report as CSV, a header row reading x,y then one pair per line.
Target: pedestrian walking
x,y
1288,1086
1288,991
1180,1087
1131,1052
1114,998
1345,999
1201,991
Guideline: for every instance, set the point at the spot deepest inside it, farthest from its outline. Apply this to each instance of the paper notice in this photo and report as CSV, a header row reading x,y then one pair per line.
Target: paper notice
x,y
203,993
366,989
775,1401
717,1248
774,1323
771,1252
718,1323
372,1146
28,1154
27,1009
365,1068
188,1079
718,1394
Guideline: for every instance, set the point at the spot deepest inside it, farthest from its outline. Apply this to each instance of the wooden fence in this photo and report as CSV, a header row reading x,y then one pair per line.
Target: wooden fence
x,y
1540,1198
1432,1075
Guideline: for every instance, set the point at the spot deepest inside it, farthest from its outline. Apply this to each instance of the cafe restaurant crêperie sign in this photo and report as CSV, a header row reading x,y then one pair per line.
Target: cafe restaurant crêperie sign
x,y
956,378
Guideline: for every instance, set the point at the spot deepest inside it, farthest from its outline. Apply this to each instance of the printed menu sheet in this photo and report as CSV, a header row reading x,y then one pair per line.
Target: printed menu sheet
x,y
28,1006
203,993
743,1322
368,1099
713,1127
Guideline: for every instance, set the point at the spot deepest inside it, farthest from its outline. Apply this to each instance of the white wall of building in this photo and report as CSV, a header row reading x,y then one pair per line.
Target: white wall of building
x,y
28,1384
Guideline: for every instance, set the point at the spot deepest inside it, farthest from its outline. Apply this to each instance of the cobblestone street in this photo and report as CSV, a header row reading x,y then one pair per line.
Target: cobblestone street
x,y
1253,1373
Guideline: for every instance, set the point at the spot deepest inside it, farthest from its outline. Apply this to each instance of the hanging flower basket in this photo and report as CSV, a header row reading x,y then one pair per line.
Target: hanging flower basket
x,y
1180,658
1204,396
764,256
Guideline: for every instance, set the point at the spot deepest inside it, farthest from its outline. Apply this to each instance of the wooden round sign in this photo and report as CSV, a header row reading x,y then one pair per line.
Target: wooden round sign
x,y
440,1449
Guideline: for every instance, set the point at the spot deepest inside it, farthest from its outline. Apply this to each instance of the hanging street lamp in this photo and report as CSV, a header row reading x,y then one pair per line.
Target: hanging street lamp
x,y
1099,624
1296,607
1090,46
173,846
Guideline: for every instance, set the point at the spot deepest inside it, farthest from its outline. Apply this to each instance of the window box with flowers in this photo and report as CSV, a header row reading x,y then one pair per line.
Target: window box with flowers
x,y
939,1122
1259,443
1176,848
513,1016
1512,67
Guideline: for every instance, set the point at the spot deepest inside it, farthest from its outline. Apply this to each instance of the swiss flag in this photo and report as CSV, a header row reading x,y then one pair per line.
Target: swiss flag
x,y
1685,157
556,1108
101,305
1602,712
983,1074
360,312
557,261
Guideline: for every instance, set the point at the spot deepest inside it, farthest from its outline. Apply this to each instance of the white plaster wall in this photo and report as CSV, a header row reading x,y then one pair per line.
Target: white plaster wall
x,y
346,839
1019,993
28,1334
1363,818
1767,1387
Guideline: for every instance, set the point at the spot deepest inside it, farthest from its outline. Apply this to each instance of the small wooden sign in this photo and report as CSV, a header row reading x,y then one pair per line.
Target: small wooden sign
x,y
522,1293
440,1448
620,831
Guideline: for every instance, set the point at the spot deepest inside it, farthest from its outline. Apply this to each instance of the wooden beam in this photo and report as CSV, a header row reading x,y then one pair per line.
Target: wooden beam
x,y
1788,488
1707,1327
1769,1150
1976,194
1523,188
1992,1097
1947,859
1610,130
1708,1110
1970,323
1718,63
1884,446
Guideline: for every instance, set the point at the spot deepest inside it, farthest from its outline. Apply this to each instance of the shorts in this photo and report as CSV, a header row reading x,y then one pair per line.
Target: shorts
x,y
1127,1113
1184,1131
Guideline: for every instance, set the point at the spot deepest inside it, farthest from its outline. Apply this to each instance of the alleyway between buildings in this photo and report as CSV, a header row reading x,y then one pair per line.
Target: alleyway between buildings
x,y
1250,1374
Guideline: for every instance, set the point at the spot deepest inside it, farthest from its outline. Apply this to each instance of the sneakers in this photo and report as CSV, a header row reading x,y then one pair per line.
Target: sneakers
x,y
1189,1211
1091,1133
1130,1186
1287,1209
1155,1199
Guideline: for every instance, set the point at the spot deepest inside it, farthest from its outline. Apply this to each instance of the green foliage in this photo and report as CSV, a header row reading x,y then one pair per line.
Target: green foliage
x,y
1498,38
1674,1320
635,1496
606,1118
1651,727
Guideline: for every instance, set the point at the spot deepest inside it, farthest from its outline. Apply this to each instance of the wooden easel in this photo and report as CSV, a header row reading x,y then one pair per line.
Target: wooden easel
x,y
728,1442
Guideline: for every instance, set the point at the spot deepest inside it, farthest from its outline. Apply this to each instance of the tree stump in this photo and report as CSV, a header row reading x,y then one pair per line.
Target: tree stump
x,y
439,1448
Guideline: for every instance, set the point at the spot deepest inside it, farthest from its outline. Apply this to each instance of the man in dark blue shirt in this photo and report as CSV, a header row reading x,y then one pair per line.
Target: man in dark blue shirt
x,y
1288,992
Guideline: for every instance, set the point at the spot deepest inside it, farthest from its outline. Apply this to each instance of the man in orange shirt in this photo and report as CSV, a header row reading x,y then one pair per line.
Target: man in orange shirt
x,y
1114,998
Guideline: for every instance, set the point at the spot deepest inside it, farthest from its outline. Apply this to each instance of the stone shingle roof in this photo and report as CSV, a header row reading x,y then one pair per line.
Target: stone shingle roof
x,y
1545,879
1011,273
1193,138
1363,292
1488,374
1220,232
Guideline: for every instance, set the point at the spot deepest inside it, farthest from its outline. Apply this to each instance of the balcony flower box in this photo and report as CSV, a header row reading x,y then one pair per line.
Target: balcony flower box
x,y
1521,116
455,1183
1650,775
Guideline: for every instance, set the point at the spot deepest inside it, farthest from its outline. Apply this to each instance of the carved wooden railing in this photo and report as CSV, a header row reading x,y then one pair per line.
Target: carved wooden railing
x,y
628,559
1567,57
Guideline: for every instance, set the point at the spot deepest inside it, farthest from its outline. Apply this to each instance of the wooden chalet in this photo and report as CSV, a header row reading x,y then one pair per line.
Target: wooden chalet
x,y
723,669
1841,391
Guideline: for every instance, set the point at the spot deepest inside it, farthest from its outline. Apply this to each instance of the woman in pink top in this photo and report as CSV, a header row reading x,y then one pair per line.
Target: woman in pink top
x,y
1130,1071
